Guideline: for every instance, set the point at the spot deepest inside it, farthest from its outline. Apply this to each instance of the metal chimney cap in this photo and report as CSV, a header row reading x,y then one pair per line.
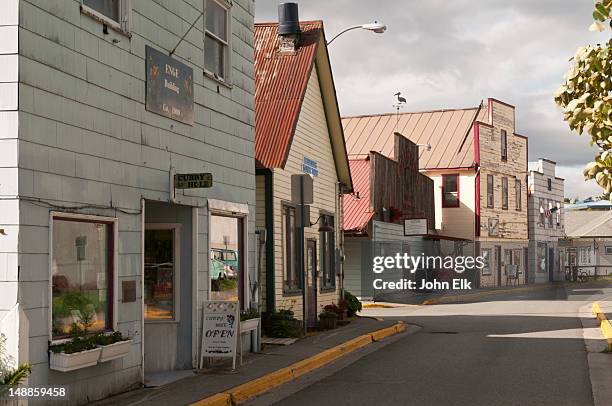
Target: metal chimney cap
x,y
288,19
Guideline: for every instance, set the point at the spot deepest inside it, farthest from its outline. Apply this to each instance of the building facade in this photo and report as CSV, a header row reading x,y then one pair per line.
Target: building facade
x,y
298,131
387,192
546,222
478,164
587,246
97,116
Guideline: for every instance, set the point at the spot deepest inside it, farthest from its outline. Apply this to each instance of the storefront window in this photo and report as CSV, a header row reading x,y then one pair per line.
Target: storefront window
x,y
82,261
225,249
160,273
541,257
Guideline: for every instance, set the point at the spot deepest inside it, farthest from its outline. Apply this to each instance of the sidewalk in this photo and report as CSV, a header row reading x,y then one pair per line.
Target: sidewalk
x,y
272,358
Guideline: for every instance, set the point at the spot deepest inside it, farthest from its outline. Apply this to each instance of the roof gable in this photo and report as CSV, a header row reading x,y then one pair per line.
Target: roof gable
x,y
281,81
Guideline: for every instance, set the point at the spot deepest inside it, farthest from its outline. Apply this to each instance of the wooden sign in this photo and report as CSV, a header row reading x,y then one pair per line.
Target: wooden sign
x,y
193,180
169,85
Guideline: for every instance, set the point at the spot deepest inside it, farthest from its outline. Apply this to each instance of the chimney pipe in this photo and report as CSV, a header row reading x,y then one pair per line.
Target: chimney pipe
x,y
288,19
288,27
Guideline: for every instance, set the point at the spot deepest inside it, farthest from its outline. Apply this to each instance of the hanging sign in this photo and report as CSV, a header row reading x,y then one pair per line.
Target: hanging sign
x,y
169,86
193,180
220,329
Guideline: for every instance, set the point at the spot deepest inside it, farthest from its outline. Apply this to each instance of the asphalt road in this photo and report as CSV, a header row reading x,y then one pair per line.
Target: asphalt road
x,y
522,349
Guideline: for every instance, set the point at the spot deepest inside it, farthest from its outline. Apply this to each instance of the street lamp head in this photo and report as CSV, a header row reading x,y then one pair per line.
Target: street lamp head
x,y
375,27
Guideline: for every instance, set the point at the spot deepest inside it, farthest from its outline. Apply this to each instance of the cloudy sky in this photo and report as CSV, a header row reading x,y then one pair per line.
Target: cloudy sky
x,y
445,54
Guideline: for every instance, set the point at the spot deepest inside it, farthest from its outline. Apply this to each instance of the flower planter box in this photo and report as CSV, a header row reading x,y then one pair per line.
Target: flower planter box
x,y
249,325
327,323
70,362
115,350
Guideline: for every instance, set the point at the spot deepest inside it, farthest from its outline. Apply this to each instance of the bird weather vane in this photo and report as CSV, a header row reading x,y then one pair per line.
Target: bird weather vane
x,y
399,103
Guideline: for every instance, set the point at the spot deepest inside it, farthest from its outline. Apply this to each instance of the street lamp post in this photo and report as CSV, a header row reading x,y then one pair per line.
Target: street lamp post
x,y
374,27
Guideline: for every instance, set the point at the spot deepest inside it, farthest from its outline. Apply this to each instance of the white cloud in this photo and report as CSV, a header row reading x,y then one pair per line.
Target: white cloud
x,y
445,54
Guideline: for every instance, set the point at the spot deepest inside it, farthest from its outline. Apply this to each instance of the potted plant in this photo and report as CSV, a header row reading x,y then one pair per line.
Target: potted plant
x,y
340,310
112,345
328,319
353,304
249,320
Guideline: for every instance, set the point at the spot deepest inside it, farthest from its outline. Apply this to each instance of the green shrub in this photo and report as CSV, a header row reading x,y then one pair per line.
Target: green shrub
x,y
249,314
353,304
77,344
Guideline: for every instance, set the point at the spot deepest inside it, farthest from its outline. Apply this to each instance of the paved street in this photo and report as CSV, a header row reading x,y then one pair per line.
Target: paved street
x,y
522,349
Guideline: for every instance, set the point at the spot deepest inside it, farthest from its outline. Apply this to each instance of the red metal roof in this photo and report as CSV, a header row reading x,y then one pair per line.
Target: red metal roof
x,y
449,132
280,81
357,212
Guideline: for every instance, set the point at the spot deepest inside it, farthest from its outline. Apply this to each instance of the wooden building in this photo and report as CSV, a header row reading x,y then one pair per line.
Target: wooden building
x,y
478,164
298,130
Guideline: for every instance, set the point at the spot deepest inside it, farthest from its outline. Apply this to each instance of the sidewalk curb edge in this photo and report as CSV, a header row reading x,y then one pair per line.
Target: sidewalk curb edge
x,y
248,390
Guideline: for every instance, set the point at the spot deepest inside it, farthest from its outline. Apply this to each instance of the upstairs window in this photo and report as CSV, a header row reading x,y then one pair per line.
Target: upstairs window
x,y
542,217
216,39
504,145
490,193
114,13
450,190
549,184
517,194
505,193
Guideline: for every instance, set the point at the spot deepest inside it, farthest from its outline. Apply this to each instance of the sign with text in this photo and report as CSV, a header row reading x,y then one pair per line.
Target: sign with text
x,y
193,180
169,87
310,166
415,227
220,329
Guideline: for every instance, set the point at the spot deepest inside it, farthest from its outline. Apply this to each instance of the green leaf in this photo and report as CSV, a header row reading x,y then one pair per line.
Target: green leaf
x,y
598,16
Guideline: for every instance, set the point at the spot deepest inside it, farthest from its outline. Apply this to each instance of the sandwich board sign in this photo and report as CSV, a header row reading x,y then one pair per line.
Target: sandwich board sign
x,y
220,330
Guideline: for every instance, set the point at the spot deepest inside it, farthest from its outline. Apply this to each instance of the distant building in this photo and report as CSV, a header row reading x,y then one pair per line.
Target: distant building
x,y
546,222
387,192
479,166
588,243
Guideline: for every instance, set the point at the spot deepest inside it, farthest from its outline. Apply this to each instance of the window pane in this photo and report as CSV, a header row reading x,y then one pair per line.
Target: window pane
x,y
216,19
504,193
450,184
490,195
225,269
108,8
159,274
214,56
80,276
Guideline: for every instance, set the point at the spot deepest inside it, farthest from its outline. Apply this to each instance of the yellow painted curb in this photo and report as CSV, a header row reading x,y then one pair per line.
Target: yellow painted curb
x,y
248,390
604,324
220,399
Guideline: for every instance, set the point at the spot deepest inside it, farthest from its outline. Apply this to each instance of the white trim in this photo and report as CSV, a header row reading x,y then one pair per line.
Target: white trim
x,y
194,287
238,211
115,270
176,227
142,282
229,208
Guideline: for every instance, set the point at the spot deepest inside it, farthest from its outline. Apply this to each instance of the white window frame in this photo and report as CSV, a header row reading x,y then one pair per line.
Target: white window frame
x,y
115,270
176,288
238,211
123,25
227,5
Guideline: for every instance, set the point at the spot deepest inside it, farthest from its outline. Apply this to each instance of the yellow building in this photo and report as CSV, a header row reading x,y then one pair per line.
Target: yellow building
x,y
298,130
